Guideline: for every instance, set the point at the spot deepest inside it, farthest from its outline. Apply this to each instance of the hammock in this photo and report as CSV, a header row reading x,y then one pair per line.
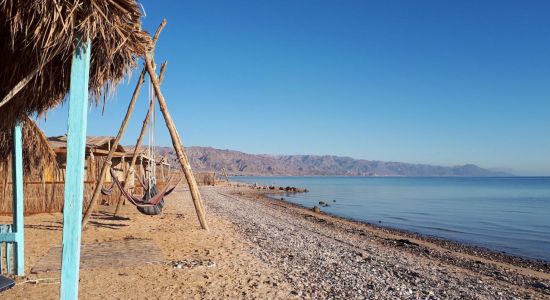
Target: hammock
x,y
147,197
108,191
152,201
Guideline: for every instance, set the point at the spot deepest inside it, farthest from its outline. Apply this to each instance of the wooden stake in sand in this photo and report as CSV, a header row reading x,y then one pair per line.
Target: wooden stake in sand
x,y
225,174
138,142
107,163
176,141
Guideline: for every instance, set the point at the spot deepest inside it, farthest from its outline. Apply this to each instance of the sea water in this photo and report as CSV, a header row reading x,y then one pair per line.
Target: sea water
x,y
507,214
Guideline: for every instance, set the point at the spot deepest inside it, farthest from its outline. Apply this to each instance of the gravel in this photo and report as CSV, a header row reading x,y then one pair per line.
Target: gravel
x,y
329,258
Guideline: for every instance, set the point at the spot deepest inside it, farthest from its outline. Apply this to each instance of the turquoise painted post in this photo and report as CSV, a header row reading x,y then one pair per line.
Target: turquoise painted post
x,y
74,174
17,208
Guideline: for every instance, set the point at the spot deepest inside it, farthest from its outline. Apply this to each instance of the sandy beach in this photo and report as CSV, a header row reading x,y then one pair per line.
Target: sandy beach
x,y
266,249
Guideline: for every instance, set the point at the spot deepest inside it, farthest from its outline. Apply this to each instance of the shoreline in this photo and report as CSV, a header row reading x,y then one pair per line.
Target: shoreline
x,y
471,249
466,247
522,273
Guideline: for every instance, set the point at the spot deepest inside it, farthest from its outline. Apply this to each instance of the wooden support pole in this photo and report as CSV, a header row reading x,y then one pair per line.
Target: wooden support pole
x,y
107,163
177,143
138,142
225,174
5,183
74,174
18,205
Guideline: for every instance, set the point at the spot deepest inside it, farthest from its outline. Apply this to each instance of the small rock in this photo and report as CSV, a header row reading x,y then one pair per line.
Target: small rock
x,y
540,285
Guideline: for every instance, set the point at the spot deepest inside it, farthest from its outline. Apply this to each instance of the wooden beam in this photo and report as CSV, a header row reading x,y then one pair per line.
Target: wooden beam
x,y
177,143
74,175
98,152
107,163
18,227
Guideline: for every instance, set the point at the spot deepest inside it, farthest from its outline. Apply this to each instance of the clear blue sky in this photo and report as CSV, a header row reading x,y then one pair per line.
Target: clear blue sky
x,y
439,82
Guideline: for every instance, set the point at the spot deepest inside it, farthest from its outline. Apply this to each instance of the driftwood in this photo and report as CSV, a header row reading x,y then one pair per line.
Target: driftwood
x,y
107,163
176,141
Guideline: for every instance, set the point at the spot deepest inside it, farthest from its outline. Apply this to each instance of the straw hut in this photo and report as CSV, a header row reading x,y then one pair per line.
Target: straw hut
x,y
97,148
39,157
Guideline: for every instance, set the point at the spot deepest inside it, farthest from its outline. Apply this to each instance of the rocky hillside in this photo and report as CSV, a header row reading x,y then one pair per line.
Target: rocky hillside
x,y
207,159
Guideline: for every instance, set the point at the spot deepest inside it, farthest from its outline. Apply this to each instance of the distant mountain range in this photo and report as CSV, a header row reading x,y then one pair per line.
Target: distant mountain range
x,y
207,159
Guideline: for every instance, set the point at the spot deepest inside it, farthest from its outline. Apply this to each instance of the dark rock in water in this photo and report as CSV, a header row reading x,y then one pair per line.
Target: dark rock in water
x,y
316,209
282,198
333,200
322,203
291,189
379,221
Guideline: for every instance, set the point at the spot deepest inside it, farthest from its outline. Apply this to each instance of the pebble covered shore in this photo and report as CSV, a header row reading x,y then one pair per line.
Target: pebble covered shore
x,y
322,256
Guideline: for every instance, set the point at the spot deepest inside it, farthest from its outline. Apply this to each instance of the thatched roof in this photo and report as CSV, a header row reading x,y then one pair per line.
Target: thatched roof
x,y
37,154
92,143
37,41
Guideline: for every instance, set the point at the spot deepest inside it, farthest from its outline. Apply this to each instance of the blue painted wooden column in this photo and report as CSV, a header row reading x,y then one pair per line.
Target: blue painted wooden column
x,y
74,172
18,227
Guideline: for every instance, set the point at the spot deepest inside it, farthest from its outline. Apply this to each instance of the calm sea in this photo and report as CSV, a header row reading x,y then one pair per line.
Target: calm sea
x,y
510,214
